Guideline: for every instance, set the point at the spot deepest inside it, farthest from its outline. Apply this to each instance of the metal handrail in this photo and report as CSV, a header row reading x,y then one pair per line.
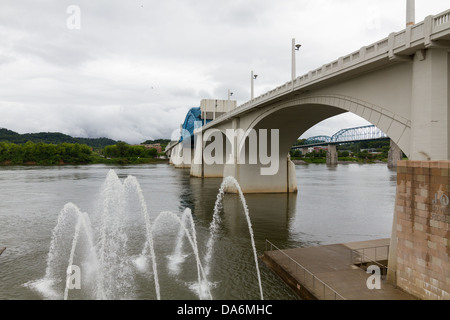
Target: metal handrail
x,y
315,279
363,254
366,259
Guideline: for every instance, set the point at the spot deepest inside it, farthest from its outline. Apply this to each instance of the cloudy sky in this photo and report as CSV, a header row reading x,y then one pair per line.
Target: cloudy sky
x,y
130,70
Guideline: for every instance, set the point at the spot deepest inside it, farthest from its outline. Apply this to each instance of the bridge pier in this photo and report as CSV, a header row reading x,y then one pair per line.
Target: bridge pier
x,y
332,155
253,159
213,144
181,156
251,181
395,154
200,169
430,104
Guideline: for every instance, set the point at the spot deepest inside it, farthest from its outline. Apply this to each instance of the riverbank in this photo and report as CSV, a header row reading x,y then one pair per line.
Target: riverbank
x,y
324,161
99,160
130,161
47,154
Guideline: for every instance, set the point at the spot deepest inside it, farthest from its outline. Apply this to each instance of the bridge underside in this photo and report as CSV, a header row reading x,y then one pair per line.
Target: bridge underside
x,y
290,119
258,157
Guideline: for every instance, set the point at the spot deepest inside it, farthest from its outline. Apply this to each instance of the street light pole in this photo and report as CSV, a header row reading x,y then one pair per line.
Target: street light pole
x,y
293,60
410,13
229,94
253,77
295,47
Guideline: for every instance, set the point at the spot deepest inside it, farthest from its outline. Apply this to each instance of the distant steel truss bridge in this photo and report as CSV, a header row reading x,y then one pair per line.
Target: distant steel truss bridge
x,y
357,134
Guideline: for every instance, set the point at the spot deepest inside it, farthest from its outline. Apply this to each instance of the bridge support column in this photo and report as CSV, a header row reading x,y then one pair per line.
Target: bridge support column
x,y
430,105
258,162
182,155
305,151
395,154
251,180
197,167
209,167
332,155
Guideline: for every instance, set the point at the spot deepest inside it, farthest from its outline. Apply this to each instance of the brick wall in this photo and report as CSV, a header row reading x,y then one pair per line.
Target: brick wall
x,y
423,228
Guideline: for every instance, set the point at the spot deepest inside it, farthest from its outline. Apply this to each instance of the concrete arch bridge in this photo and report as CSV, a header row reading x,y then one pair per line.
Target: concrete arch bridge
x,y
400,84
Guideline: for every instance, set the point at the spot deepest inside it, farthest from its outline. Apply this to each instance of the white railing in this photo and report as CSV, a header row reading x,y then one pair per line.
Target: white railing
x,y
387,47
442,18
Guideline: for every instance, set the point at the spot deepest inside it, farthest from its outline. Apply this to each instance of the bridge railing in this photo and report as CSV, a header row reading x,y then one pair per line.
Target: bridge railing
x,y
441,18
314,285
416,35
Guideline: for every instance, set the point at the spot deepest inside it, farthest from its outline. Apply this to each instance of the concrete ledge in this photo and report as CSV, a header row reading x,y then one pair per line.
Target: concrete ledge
x,y
301,291
330,274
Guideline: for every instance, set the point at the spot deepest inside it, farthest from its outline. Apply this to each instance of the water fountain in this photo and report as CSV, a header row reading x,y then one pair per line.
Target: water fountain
x,y
227,183
100,245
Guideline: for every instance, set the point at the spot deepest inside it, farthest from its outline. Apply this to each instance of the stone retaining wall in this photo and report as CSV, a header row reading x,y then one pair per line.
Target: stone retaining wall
x,y
422,230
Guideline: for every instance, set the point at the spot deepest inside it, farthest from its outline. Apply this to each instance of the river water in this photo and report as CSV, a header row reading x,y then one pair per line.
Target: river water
x,y
350,202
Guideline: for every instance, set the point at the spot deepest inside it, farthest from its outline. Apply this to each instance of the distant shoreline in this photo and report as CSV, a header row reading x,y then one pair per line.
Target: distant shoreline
x,y
150,161
117,161
302,162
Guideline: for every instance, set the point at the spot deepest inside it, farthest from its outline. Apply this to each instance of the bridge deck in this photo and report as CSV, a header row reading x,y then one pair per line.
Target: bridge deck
x,y
331,265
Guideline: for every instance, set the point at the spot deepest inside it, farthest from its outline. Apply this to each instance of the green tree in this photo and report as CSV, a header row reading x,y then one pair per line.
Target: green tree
x,y
295,153
344,154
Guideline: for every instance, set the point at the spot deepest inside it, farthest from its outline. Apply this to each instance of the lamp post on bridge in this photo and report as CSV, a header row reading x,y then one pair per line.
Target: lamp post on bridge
x,y
295,47
410,12
229,94
253,77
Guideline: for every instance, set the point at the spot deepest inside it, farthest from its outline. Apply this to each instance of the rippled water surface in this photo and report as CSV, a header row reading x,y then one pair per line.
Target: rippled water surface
x,y
342,204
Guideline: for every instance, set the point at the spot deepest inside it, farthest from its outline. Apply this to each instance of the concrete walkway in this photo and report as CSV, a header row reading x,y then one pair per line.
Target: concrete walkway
x,y
327,272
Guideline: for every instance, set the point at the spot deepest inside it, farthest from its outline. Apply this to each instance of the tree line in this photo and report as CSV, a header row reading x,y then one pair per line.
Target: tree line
x,y
44,154
51,148
52,138
124,150
72,153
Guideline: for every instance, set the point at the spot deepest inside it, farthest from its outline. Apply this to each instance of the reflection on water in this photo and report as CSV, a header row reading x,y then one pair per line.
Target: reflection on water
x,y
334,204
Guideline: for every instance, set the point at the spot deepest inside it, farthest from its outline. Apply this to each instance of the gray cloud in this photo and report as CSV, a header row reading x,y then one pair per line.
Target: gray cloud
x,y
135,67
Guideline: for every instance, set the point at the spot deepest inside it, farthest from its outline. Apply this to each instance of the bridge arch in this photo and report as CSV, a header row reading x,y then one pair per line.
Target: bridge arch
x,y
295,116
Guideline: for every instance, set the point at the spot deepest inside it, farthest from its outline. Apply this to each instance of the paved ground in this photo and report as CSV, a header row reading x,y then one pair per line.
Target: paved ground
x,y
331,264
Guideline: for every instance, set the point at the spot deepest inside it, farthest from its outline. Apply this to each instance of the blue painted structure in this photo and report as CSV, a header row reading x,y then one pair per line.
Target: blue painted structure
x,y
193,116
